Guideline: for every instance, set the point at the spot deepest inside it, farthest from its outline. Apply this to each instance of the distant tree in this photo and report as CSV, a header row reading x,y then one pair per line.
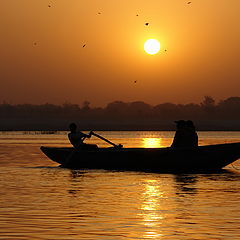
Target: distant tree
x,y
189,111
48,109
86,106
208,104
117,108
6,109
230,107
139,108
231,102
166,110
208,101
70,110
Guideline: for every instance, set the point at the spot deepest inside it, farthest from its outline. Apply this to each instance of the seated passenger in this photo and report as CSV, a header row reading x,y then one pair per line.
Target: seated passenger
x,y
185,135
192,134
76,138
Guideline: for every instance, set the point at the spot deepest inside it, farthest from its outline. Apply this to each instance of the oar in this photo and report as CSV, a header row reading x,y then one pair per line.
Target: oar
x,y
106,140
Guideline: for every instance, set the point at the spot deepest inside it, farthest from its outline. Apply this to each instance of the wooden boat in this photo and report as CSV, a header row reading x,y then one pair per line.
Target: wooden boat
x,y
198,159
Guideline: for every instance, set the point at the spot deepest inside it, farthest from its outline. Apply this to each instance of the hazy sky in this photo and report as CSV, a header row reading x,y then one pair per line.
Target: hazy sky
x,y
42,58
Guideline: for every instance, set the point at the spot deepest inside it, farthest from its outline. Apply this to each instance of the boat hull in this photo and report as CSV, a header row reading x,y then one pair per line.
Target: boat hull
x,y
203,158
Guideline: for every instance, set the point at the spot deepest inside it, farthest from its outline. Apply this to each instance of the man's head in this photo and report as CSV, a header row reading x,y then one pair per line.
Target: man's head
x,y
72,127
180,124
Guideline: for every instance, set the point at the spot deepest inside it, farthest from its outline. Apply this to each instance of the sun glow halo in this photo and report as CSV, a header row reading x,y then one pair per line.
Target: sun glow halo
x,y
152,46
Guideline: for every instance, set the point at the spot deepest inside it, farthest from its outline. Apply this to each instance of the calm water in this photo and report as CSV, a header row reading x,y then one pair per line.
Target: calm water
x,y
41,201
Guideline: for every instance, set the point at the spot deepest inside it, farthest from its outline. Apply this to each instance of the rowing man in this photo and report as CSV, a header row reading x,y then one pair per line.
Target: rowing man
x,y
76,138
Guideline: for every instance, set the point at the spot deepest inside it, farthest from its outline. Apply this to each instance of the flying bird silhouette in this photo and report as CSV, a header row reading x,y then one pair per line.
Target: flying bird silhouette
x,y
84,45
135,81
189,2
147,24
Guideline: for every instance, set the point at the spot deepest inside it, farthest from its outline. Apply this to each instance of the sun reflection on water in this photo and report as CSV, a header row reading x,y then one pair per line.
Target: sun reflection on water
x,y
152,142
151,213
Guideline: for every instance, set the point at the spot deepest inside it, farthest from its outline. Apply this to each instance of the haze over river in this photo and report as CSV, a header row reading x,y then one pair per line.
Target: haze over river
x,y
40,200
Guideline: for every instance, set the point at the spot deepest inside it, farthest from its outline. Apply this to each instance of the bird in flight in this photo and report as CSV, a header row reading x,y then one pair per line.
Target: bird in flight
x,y
84,45
189,2
147,24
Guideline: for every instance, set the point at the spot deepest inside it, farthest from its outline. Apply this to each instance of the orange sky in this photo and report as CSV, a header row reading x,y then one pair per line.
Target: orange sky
x,y
42,58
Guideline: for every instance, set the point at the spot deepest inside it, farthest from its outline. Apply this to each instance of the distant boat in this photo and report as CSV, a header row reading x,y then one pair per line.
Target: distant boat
x,y
198,159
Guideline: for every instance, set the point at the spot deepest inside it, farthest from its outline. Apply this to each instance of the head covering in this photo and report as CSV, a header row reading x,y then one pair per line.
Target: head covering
x,y
72,126
190,124
180,123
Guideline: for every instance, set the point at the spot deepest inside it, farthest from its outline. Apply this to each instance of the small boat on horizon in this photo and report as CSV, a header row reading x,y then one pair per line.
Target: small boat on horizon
x,y
198,159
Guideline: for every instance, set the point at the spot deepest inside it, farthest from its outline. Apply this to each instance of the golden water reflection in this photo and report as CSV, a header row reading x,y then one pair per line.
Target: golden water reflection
x,y
152,142
151,210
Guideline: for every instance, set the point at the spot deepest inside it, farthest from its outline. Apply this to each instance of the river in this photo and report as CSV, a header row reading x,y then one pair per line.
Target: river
x,y
39,200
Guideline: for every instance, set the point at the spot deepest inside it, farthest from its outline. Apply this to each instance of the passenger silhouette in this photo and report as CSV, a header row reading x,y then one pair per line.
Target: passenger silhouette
x,y
185,135
76,138
192,134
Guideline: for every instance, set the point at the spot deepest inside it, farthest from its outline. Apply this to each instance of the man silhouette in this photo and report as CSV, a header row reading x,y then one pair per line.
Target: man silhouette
x,y
76,138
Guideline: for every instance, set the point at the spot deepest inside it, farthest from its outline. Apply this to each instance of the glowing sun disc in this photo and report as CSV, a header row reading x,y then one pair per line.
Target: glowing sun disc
x,y
152,46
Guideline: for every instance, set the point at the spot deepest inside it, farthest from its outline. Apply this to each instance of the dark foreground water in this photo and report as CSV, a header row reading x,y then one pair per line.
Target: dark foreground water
x,y
39,200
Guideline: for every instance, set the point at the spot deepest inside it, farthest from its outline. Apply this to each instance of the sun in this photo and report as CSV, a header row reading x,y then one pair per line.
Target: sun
x,y
152,46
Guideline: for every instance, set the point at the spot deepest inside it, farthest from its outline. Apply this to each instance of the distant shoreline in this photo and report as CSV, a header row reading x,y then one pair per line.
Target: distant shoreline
x,y
56,131
122,116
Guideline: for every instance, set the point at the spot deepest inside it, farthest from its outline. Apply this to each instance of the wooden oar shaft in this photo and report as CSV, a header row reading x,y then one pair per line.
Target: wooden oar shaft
x,y
104,139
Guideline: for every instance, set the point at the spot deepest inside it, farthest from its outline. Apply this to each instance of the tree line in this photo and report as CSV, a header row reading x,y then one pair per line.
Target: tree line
x,y
224,114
